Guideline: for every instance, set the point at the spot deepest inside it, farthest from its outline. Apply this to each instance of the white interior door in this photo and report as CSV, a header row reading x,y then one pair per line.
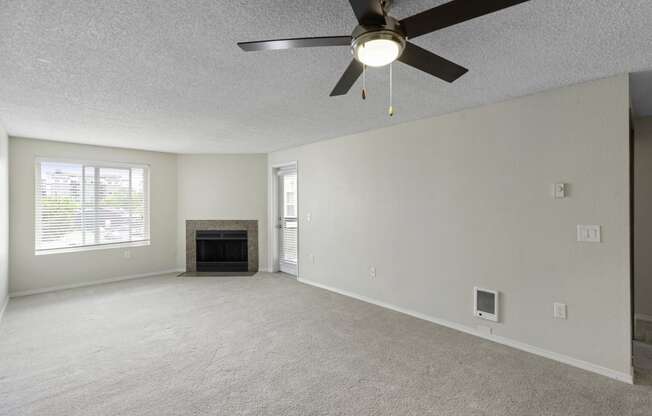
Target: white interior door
x,y
288,224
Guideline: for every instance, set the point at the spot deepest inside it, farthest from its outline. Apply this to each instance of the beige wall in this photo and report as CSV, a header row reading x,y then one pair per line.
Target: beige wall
x,y
222,187
29,272
441,205
643,216
4,217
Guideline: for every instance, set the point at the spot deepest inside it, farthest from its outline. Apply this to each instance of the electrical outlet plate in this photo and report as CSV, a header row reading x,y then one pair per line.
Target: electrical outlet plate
x,y
589,233
559,310
559,190
372,272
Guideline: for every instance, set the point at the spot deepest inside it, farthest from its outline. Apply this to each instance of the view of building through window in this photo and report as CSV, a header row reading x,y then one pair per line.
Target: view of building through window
x,y
290,190
84,205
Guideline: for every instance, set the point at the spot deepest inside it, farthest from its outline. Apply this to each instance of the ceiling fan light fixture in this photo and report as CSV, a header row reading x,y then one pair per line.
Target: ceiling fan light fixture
x,y
378,48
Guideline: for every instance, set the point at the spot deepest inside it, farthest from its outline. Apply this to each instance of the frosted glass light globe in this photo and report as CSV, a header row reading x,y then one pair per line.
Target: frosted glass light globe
x,y
377,52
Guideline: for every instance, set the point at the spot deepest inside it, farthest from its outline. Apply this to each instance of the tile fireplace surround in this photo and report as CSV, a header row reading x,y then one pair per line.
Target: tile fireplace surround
x,y
251,226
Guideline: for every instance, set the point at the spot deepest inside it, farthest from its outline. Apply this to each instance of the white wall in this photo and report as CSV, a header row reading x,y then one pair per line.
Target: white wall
x,y
4,218
29,272
222,187
441,205
643,215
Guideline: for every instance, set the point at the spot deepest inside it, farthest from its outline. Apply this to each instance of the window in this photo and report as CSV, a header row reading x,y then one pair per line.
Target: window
x,y
290,190
87,205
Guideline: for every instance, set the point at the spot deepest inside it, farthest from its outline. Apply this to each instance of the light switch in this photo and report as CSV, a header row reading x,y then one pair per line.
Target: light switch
x,y
589,233
308,217
559,310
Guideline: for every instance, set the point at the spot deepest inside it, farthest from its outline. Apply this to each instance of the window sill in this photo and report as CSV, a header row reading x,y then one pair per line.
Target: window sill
x,y
92,248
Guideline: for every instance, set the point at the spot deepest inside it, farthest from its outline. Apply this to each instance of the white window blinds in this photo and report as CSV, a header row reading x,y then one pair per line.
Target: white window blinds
x,y
289,221
86,205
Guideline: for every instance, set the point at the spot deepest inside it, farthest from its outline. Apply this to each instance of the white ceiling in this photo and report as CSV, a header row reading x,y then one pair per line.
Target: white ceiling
x,y
168,76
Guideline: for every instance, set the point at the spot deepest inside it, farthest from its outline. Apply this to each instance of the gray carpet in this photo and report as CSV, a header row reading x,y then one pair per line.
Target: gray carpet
x,y
269,345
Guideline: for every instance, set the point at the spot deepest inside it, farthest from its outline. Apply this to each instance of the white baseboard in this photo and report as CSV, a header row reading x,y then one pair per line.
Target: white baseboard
x,y
3,307
96,282
617,375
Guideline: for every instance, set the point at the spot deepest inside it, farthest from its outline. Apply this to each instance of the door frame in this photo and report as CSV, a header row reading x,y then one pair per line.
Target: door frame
x,y
274,234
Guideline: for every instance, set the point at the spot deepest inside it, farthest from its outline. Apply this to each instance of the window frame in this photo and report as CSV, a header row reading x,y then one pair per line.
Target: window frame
x,y
39,160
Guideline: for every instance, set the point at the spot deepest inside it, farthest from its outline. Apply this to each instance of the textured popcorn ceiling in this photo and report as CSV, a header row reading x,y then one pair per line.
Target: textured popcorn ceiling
x,y
167,75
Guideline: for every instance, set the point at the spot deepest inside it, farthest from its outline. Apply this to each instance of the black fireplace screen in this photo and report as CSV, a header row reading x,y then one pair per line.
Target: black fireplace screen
x,y
222,251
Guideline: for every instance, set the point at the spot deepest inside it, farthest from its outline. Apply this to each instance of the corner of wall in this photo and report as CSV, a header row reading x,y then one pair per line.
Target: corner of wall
x,y
4,219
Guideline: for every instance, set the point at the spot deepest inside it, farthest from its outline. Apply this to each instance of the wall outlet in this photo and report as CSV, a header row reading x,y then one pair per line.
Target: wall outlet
x,y
372,272
127,254
589,233
559,310
559,190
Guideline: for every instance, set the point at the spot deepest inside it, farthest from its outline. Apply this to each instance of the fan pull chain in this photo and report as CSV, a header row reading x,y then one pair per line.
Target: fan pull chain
x,y
364,82
391,107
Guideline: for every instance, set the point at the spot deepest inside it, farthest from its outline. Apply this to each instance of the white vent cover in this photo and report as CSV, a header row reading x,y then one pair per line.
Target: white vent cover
x,y
485,304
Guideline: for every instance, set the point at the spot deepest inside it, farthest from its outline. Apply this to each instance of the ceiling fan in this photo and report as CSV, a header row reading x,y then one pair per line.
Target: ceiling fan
x,y
379,39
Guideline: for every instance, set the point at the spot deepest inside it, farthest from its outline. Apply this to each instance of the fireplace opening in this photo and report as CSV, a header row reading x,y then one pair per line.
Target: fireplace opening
x,y
222,251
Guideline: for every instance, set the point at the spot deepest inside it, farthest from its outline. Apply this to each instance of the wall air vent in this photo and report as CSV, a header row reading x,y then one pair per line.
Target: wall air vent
x,y
485,304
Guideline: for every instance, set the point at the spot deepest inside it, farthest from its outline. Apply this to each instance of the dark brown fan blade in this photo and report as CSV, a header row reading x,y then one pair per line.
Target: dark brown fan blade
x,y
351,74
427,61
452,13
368,12
268,45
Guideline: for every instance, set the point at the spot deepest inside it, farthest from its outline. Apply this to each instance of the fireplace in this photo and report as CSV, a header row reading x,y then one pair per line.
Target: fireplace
x,y
221,246
222,250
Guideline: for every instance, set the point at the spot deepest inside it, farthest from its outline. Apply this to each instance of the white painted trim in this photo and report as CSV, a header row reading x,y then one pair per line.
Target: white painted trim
x,y
85,284
643,317
617,375
92,247
97,163
4,307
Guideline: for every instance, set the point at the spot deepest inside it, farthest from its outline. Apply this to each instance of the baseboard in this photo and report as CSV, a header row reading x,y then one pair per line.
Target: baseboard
x,y
617,375
85,284
3,307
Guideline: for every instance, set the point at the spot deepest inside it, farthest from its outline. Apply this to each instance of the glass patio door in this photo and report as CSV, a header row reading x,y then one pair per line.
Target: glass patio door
x,y
287,222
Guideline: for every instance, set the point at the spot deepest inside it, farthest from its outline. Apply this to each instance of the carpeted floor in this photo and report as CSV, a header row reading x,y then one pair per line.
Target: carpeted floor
x,y
269,345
